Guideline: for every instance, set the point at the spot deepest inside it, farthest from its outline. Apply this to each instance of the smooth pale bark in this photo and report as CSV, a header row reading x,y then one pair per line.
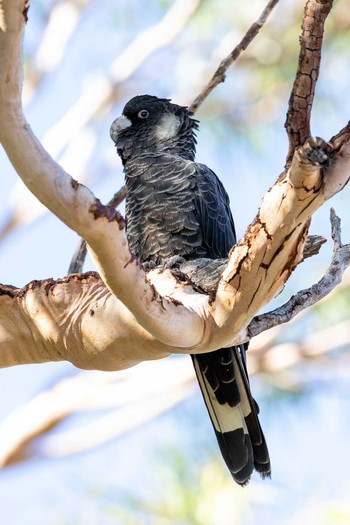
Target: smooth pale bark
x,y
139,317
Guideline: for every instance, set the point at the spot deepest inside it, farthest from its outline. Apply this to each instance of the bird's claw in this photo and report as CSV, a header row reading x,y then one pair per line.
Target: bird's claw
x,y
316,150
149,265
174,262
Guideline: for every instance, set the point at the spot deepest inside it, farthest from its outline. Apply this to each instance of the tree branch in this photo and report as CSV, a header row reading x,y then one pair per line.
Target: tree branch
x,y
138,317
220,74
310,296
205,274
52,336
302,96
77,262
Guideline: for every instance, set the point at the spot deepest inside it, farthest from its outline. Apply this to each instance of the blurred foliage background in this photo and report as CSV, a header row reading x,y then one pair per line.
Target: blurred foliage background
x,y
87,448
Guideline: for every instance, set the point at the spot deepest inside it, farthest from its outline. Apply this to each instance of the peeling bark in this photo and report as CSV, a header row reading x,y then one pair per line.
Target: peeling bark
x,y
302,96
130,316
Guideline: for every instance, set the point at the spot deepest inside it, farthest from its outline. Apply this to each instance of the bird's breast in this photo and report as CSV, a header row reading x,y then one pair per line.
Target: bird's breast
x,y
161,212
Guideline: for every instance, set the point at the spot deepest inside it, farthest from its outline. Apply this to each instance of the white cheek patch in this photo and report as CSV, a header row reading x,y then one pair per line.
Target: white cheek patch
x,y
168,127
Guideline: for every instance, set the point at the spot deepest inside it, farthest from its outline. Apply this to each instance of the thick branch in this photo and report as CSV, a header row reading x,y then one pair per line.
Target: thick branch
x,y
310,296
147,317
77,262
38,322
263,260
302,96
75,319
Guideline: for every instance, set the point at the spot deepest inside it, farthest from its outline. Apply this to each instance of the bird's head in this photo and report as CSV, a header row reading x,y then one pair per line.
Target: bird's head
x,y
150,124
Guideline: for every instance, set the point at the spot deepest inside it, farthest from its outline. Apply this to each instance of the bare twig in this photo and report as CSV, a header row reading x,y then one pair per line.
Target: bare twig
x,y
220,74
313,245
78,258
335,230
309,296
301,99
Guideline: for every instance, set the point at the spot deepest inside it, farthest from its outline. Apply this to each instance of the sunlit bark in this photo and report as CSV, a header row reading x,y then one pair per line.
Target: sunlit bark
x,y
128,316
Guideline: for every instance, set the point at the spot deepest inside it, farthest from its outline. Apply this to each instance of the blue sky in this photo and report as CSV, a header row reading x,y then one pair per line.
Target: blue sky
x,y
307,434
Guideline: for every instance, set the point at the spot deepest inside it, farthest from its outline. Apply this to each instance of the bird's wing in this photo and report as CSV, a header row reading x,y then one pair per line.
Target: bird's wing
x,y
233,412
213,210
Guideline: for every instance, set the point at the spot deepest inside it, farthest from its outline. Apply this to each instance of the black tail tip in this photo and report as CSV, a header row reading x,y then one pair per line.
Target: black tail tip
x,y
265,474
264,469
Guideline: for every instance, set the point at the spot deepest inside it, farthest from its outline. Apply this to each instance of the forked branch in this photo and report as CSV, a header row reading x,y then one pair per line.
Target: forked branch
x,y
133,317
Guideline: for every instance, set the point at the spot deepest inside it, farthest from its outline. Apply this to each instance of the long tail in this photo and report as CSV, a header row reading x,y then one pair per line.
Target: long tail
x,y
223,379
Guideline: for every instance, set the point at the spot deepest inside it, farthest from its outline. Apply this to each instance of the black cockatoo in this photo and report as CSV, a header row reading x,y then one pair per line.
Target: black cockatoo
x,y
178,207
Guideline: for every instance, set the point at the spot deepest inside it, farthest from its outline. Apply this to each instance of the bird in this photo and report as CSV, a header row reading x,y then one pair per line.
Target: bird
x,y
178,208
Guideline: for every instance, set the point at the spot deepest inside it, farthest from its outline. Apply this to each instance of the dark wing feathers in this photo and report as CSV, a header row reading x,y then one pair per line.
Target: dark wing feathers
x,y
214,213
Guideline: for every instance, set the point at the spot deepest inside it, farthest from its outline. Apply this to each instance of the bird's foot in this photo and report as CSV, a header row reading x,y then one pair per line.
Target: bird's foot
x,y
316,150
149,265
174,262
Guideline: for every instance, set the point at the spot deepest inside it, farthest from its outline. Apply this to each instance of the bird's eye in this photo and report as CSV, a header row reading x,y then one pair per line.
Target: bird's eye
x,y
143,113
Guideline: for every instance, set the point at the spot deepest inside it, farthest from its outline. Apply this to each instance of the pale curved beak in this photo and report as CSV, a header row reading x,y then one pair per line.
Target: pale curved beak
x,y
118,125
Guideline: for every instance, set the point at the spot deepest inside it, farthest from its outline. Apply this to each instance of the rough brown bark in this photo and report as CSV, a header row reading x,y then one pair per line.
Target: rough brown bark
x,y
302,96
